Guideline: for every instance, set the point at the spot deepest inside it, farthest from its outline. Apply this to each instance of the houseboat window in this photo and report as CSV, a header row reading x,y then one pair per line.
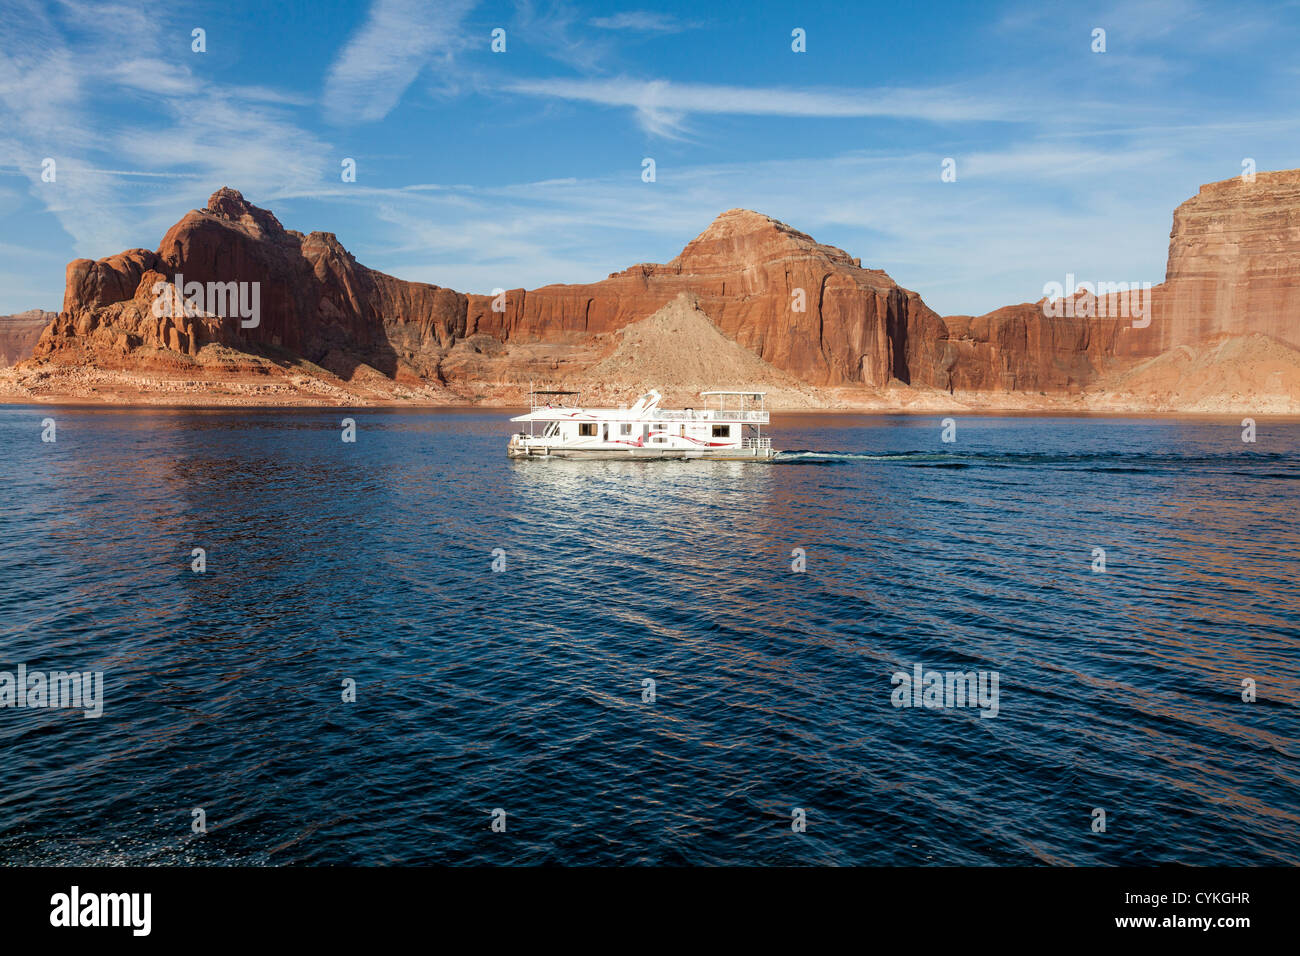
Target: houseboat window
x,y
587,429
721,431
625,429
552,429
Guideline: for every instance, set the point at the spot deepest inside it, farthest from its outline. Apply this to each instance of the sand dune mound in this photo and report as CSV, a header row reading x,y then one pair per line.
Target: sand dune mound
x,y
679,351
1229,375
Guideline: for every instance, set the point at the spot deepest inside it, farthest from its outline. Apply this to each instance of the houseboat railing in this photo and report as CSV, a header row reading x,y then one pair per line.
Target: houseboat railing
x,y
707,415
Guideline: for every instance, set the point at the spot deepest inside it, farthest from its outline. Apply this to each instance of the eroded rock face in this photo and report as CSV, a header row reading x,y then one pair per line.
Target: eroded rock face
x,y
314,300
91,285
1234,270
1025,348
808,309
1234,262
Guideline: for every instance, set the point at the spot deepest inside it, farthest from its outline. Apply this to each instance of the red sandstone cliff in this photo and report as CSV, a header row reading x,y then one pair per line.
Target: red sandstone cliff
x,y
808,310
19,334
315,300
805,308
1234,263
1233,270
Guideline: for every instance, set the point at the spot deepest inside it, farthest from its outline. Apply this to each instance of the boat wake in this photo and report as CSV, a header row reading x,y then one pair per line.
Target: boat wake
x,y
829,456
1119,463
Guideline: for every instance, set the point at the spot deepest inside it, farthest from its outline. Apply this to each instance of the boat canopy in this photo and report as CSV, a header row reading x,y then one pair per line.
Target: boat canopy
x,y
749,400
647,409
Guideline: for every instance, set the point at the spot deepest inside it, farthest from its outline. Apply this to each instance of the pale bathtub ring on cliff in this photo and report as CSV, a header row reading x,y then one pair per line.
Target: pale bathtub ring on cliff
x,y
559,428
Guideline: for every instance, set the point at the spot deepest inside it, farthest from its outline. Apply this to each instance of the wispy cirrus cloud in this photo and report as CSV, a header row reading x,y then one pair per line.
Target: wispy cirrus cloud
x,y
662,105
558,29
1139,27
399,40
641,21
123,175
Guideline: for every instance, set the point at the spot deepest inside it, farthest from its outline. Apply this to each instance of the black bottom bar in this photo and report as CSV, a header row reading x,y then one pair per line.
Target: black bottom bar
x,y
950,906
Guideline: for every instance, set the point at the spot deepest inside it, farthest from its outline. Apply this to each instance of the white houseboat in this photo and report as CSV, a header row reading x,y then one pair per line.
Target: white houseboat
x,y
730,428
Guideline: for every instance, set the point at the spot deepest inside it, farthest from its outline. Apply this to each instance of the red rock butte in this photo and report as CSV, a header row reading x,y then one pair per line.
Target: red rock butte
x,y
809,311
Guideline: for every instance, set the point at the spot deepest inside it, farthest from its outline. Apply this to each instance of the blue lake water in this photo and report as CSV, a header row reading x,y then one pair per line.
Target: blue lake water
x,y
522,689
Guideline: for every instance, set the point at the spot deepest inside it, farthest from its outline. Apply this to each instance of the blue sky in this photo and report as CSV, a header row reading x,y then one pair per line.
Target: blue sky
x,y
478,170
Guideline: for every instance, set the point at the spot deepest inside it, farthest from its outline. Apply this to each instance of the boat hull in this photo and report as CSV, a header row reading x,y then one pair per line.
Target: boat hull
x,y
628,454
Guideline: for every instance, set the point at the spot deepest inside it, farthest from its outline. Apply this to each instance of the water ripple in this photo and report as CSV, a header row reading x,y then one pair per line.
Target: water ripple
x,y
522,688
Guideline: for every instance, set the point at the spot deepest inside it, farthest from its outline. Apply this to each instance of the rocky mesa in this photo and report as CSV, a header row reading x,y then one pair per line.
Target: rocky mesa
x,y
820,329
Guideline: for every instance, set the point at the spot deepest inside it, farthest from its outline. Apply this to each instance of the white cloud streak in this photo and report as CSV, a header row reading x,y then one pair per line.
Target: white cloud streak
x,y
399,39
640,21
120,184
661,105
